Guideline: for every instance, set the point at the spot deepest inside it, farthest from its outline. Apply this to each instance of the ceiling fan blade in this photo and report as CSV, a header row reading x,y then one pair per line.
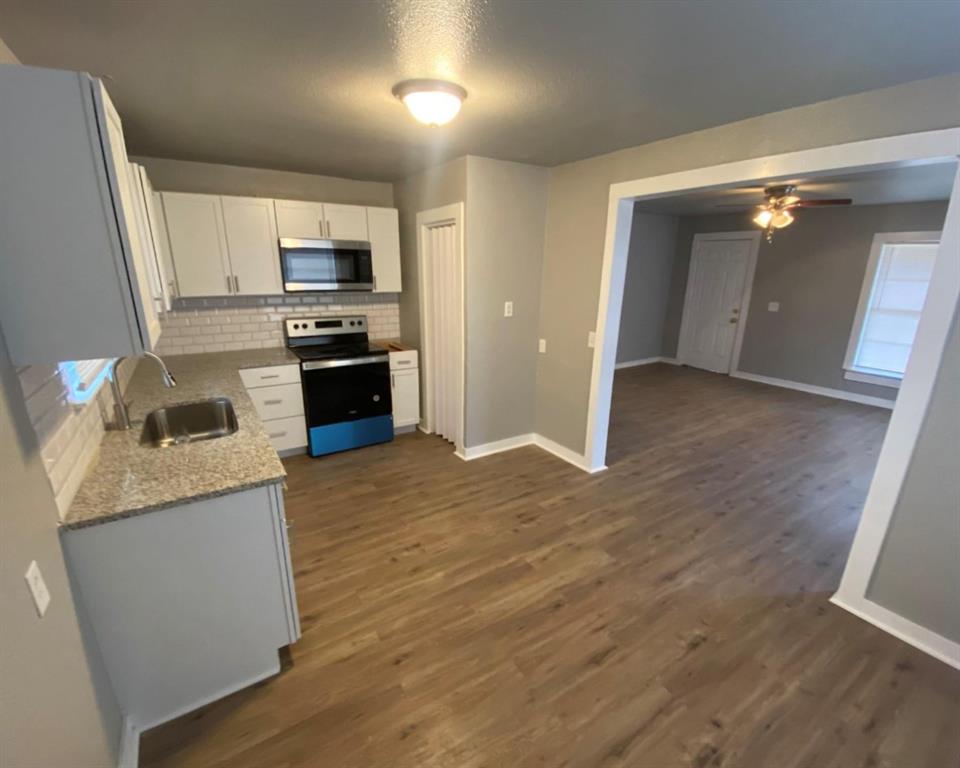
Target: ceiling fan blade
x,y
816,203
744,204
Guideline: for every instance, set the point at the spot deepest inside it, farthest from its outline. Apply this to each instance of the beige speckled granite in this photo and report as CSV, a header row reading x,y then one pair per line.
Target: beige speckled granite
x,y
130,479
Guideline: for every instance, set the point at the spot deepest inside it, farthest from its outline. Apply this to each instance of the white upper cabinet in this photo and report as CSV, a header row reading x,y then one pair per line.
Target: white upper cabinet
x,y
163,246
224,246
198,243
384,235
345,222
151,286
74,280
252,249
298,218
150,229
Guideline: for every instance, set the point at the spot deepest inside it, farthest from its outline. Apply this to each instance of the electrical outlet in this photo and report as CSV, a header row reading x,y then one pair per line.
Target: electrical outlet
x,y
542,346
508,309
592,339
38,588
773,306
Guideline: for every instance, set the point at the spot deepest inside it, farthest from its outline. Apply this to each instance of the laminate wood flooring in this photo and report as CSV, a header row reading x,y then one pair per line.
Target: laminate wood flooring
x,y
514,611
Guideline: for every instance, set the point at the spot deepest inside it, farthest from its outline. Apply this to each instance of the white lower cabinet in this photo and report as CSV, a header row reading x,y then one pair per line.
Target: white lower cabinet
x,y
190,603
405,388
278,397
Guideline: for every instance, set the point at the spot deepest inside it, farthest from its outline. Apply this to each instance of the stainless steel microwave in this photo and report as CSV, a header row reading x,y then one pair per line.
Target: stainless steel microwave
x,y
325,265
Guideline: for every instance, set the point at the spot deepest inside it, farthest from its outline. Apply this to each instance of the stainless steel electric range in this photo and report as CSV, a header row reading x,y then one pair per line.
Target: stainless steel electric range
x,y
346,383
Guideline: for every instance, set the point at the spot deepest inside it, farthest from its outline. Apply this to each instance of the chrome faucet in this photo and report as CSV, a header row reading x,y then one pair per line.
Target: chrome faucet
x,y
121,410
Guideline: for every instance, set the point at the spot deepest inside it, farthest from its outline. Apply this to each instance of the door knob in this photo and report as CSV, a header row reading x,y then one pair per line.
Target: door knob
x,y
733,319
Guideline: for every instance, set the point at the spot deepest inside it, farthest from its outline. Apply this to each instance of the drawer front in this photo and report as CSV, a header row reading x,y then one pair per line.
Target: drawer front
x,y
286,434
406,360
270,375
278,402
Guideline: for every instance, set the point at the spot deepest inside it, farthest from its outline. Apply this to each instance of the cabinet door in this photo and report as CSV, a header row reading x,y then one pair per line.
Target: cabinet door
x,y
151,234
155,209
384,233
345,222
250,226
197,243
155,283
298,218
129,217
405,390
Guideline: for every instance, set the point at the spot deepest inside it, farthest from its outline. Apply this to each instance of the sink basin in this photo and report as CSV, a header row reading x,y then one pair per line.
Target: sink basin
x,y
189,422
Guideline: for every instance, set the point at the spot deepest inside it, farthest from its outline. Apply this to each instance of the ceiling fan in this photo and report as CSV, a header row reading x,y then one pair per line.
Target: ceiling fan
x,y
776,212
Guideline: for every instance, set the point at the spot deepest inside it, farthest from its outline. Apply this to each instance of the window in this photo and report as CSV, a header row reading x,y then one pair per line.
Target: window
x,y
891,300
82,378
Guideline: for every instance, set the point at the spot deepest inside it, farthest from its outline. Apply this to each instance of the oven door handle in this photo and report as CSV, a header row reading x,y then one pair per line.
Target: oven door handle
x,y
315,365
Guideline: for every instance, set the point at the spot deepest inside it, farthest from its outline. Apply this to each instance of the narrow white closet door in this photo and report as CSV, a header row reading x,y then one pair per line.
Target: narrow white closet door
x,y
443,346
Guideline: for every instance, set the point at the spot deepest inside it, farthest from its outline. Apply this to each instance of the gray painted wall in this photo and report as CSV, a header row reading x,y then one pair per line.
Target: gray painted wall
x,y
444,185
506,208
815,269
215,179
646,289
577,212
918,572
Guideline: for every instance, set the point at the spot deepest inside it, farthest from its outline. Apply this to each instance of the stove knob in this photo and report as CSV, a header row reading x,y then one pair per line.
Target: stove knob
x,y
296,326
352,323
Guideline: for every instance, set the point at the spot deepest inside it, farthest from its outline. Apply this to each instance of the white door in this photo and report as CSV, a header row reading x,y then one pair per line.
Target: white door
x,y
197,243
299,218
441,263
384,232
405,391
251,232
713,303
345,222
154,226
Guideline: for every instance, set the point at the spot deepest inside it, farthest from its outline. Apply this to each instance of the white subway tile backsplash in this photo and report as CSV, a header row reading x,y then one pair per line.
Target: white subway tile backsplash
x,y
252,322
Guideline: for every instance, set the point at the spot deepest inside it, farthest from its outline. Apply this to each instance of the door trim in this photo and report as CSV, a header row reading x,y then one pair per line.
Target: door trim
x,y
438,217
707,237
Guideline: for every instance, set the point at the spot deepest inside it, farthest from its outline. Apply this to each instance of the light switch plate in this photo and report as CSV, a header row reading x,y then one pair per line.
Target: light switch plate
x,y
508,309
592,339
773,306
38,588
542,346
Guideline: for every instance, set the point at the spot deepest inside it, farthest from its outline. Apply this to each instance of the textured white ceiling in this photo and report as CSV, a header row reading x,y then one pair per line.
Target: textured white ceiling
x,y
305,85
905,184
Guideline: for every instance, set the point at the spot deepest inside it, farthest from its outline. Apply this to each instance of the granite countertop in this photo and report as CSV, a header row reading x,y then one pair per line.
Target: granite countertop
x,y
130,479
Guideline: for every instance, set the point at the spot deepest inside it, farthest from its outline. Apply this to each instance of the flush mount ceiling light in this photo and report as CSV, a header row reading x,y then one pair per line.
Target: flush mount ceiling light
x,y
433,102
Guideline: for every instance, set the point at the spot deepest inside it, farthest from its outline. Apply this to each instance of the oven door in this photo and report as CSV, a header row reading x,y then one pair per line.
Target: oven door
x,y
325,265
347,403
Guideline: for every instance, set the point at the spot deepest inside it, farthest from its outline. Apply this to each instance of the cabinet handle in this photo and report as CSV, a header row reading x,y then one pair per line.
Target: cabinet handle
x,y
273,435
374,282
403,362
269,376
272,402
328,228
393,380
322,232
229,286
236,283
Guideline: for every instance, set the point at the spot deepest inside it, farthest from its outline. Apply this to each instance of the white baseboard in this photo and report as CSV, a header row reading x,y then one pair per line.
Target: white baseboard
x,y
645,361
497,446
508,444
562,452
910,632
838,394
129,749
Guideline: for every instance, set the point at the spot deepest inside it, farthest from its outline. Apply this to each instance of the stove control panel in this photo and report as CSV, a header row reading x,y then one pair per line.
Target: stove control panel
x,y
303,327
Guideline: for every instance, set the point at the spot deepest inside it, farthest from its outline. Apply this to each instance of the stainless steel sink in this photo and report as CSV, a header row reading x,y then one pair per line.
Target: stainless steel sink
x,y
189,422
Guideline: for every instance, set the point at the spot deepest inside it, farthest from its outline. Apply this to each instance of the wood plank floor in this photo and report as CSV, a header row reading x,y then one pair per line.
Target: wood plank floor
x,y
514,611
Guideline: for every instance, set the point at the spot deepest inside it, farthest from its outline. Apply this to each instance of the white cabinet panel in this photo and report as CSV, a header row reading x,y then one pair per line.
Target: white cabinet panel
x,y
299,218
163,246
251,232
384,233
345,222
405,391
197,243
287,434
270,375
156,229
278,402
130,218
403,360
148,278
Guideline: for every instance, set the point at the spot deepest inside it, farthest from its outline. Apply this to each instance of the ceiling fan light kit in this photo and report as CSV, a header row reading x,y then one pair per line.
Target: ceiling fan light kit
x,y
781,201
431,102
